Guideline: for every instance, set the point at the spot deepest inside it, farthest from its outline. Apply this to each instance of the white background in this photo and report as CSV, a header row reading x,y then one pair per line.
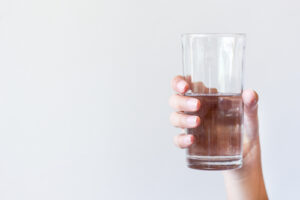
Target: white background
x,y
84,87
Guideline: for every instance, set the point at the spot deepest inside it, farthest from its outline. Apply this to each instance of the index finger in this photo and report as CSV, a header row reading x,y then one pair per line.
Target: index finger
x,y
179,84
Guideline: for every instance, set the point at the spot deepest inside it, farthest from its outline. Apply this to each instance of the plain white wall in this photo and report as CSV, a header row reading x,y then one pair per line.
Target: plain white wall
x,y
84,87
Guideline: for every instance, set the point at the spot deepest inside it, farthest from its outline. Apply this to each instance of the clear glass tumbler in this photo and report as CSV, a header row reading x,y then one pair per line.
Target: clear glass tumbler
x,y
213,67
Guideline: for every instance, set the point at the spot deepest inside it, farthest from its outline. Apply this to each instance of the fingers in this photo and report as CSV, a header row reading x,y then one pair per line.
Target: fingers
x,y
250,99
179,84
184,121
184,140
184,103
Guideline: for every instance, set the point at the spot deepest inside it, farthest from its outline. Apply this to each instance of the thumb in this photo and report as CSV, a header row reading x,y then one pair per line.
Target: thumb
x,y
250,99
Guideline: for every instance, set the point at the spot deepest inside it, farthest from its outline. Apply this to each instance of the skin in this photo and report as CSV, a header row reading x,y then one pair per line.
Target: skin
x,y
246,183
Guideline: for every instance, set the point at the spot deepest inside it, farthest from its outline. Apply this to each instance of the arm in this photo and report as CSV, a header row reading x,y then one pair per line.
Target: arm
x,y
246,183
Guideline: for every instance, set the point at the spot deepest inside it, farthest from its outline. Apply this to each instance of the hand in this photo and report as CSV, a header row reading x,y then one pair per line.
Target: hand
x,y
246,182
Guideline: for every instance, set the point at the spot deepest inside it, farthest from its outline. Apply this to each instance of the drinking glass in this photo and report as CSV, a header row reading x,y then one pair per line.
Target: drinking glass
x,y
213,67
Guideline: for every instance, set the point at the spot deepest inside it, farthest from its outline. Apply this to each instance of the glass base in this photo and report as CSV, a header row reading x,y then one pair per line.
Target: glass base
x,y
214,162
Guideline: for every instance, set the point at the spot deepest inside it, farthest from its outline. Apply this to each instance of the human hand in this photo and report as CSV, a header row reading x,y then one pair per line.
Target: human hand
x,y
250,174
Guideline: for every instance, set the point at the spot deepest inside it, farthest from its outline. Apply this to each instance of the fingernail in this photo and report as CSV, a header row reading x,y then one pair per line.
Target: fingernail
x,y
192,121
181,85
187,140
192,103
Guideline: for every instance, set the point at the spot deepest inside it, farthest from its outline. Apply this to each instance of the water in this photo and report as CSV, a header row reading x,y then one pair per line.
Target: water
x,y
218,138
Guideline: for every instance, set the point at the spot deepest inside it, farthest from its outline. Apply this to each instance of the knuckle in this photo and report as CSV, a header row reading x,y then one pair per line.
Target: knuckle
x,y
177,78
177,141
175,81
176,102
177,119
173,118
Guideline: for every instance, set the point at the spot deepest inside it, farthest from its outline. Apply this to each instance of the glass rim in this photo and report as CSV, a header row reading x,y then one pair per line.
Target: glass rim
x,y
213,35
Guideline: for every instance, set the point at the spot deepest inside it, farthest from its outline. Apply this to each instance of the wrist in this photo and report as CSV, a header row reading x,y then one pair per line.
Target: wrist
x,y
246,182
245,174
